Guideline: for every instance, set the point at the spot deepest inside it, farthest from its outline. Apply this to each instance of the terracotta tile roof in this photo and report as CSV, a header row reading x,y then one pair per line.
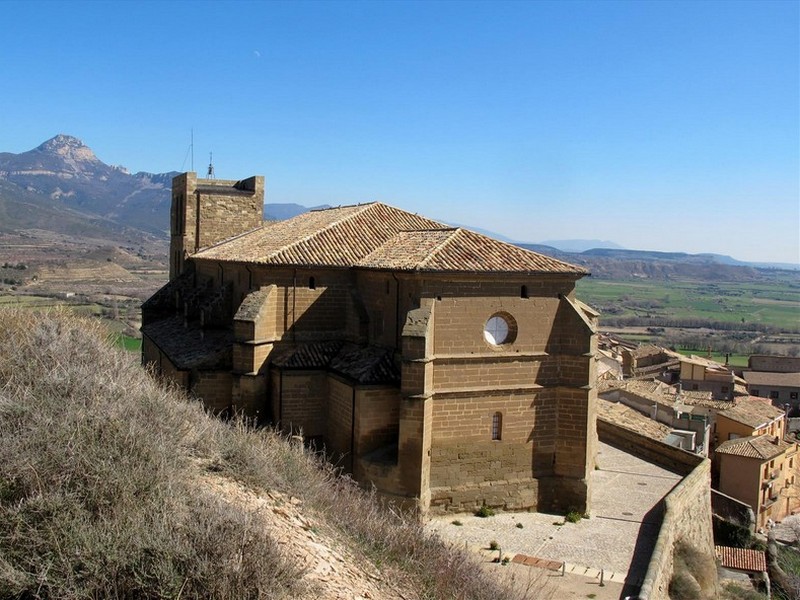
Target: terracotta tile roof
x,y
767,378
459,250
649,389
647,350
741,559
705,400
363,364
752,413
378,236
629,418
762,447
191,348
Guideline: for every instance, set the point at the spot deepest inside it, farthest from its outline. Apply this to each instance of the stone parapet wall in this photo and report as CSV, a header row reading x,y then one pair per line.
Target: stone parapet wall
x,y
686,509
506,494
687,522
666,456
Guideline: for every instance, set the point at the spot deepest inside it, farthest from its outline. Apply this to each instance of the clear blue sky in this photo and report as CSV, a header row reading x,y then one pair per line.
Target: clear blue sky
x,y
657,125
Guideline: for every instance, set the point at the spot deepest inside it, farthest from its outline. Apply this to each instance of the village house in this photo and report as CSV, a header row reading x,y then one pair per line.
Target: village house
x,y
446,368
755,462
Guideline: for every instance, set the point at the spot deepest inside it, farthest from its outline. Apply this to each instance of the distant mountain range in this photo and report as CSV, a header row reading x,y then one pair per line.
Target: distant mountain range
x,y
64,177
580,245
62,186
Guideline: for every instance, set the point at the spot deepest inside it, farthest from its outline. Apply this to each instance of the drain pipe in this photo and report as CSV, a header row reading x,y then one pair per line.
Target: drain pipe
x,y
294,305
396,313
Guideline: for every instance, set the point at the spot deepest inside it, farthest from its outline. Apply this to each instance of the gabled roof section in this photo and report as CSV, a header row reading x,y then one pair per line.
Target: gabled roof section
x,y
459,250
378,236
753,413
761,447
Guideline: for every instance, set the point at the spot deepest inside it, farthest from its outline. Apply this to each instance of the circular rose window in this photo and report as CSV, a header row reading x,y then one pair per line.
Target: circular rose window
x,y
500,329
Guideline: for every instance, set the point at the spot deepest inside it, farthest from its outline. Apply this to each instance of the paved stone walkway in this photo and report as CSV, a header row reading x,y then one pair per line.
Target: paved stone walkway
x,y
618,538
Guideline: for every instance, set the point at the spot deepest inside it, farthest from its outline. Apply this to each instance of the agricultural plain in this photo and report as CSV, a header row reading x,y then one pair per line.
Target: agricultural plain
x,y
740,317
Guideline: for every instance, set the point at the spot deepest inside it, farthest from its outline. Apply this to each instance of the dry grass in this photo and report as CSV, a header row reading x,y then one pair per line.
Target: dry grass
x,y
99,494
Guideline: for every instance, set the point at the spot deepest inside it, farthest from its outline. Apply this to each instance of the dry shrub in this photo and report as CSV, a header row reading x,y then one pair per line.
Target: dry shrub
x,y
97,500
94,500
694,574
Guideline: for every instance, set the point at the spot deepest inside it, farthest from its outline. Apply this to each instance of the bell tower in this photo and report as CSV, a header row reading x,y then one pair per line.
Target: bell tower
x,y
207,211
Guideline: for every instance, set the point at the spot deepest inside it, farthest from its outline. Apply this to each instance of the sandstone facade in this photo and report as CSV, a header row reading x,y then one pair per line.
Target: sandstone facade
x,y
448,369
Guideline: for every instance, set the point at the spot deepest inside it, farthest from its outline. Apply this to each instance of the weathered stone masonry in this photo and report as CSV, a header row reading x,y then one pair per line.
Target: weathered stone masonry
x,y
443,367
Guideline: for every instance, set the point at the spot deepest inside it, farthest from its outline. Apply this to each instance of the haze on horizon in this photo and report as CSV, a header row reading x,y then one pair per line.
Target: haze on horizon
x,y
658,125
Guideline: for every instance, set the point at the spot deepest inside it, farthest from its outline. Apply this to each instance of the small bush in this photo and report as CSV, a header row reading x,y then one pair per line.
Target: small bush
x,y
493,545
520,526
484,511
457,523
573,516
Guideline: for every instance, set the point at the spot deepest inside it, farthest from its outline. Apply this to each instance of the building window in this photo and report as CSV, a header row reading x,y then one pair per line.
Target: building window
x,y
497,426
500,329
792,395
754,392
312,283
523,292
773,394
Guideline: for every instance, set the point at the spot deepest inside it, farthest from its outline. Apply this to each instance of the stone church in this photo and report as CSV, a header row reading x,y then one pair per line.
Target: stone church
x,y
449,369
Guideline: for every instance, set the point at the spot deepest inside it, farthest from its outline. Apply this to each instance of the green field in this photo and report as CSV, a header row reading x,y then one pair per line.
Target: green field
x,y
735,360
771,304
114,327
127,342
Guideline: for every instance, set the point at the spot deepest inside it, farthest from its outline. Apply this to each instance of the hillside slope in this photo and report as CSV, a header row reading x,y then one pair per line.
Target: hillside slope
x,y
112,486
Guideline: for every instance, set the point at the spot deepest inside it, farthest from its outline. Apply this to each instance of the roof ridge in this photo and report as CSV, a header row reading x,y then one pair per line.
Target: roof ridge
x,y
356,204
448,240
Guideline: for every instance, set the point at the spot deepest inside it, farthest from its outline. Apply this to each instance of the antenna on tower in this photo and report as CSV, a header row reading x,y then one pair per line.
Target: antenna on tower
x,y
211,165
191,145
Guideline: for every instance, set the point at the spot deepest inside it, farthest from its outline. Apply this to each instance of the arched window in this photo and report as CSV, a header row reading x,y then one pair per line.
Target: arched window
x,y
497,426
312,284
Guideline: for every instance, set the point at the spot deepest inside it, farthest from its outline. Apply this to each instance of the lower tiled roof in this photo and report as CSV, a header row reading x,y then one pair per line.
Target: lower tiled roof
x,y
767,378
629,418
761,447
193,347
364,364
752,412
741,559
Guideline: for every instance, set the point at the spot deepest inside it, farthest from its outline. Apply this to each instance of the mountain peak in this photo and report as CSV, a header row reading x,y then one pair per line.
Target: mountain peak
x,y
68,147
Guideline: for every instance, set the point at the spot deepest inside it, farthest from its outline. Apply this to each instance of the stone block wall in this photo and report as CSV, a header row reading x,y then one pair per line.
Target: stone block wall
x,y
777,364
207,211
214,388
686,522
340,422
377,418
304,397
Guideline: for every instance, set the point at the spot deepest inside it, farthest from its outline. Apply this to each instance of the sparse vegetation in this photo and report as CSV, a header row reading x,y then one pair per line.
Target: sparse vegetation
x,y
573,516
520,526
457,523
484,511
104,488
733,591
693,574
